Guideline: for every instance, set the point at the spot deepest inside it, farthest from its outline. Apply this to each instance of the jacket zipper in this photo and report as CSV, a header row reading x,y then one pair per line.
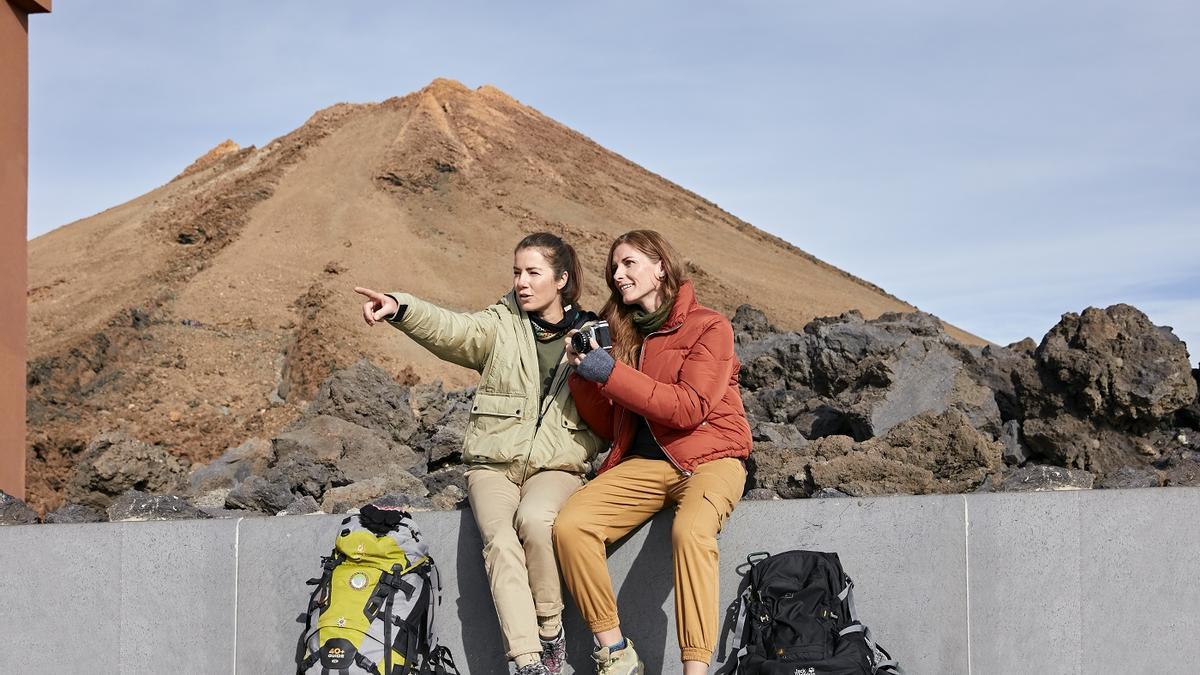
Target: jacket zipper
x,y
641,356
560,378
522,321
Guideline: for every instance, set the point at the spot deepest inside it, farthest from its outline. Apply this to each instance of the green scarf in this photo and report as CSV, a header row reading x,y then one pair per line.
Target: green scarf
x,y
648,322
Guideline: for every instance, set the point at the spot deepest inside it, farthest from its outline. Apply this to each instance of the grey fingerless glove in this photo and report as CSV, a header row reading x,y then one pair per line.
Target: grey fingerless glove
x,y
596,366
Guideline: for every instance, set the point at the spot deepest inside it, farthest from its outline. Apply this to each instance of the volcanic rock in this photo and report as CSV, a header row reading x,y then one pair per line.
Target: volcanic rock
x,y
930,453
235,465
342,499
137,505
13,511
356,452
258,494
75,513
367,396
1042,478
302,506
1130,477
115,463
1117,365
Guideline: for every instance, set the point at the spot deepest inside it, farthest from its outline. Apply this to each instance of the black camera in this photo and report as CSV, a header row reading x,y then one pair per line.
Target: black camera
x,y
582,341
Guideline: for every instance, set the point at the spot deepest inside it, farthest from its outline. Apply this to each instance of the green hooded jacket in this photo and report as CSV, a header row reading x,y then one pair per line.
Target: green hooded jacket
x,y
508,430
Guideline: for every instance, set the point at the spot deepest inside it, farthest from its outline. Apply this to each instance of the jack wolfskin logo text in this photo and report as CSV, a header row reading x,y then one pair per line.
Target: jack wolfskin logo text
x,y
805,671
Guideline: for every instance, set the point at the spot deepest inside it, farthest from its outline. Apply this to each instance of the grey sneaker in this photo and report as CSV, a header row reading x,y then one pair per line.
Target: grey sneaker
x,y
554,653
619,662
532,669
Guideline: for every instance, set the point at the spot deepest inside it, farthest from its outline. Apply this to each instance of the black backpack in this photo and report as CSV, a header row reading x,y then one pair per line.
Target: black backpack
x,y
795,616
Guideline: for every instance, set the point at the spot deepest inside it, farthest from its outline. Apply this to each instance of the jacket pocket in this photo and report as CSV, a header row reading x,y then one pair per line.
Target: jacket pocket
x,y
573,424
498,405
493,433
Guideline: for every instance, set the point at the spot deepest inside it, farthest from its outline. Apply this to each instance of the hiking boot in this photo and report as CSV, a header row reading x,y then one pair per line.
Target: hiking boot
x,y
535,668
554,652
618,662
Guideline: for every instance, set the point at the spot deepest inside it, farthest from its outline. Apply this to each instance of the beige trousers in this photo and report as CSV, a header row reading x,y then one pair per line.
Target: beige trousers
x,y
515,523
624,497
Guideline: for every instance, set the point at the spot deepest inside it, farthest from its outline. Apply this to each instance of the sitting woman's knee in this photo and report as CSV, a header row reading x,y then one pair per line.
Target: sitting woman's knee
x,y
568,525
533,525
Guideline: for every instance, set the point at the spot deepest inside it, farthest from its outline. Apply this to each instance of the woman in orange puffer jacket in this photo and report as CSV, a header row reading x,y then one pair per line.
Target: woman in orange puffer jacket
x,y
667,397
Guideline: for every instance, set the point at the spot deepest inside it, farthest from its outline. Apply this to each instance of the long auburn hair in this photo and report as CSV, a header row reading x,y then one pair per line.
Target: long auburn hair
x,y
626,339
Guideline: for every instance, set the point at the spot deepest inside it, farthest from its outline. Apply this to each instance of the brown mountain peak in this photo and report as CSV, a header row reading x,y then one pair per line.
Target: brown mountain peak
x,y
222,149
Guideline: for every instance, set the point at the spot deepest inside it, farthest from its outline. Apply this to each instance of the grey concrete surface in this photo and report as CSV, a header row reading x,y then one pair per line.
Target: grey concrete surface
x,y
1084,582
1024,585
118,598
1066,582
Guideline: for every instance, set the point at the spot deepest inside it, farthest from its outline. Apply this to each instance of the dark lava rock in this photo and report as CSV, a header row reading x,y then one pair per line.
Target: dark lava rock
x,y
1184,470
114,463
356,452
1189,416
250,458
451,474
779,435
13,511
779,469
441,442
1130,477
75,513
136,505
258,494
341,499
302,506
450,498
760,494
365,395
1010,436
829,493
848,375
1041,478
752,323
1117,365
927,454
1067,440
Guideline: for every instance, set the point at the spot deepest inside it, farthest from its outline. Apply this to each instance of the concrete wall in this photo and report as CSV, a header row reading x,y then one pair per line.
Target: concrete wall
x,y
1065,582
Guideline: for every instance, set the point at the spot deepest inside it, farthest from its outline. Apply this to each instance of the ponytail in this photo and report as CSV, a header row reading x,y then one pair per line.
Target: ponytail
x,y
562,258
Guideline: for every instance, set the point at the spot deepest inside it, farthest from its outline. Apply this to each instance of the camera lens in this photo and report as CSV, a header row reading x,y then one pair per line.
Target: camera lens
x,y
581,343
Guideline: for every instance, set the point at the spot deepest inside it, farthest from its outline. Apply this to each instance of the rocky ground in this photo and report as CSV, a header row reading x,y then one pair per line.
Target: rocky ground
x,y
846,407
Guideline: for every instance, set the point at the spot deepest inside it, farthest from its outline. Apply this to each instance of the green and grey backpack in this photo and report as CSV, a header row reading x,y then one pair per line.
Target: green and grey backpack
x,y
373,607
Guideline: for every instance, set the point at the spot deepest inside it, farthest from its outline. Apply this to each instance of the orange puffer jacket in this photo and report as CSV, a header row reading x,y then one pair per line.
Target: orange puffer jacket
x,y
686,387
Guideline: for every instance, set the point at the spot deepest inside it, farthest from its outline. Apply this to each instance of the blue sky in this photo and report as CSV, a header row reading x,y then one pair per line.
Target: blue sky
x,y
996,164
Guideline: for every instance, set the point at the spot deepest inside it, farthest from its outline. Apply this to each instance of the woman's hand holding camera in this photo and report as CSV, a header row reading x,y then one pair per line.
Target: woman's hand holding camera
x,y
378,306
575,357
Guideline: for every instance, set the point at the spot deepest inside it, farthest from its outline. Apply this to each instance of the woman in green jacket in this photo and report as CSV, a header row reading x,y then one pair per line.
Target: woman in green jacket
x,y
525,443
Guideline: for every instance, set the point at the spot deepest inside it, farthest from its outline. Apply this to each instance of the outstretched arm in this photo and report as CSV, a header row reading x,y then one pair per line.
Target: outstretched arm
x,y
465,339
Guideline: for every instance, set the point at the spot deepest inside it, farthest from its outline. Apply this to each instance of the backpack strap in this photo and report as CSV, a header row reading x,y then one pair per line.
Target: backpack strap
x,y
429,641
440,663
387,636
735,617
318,598
847,596
883,662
